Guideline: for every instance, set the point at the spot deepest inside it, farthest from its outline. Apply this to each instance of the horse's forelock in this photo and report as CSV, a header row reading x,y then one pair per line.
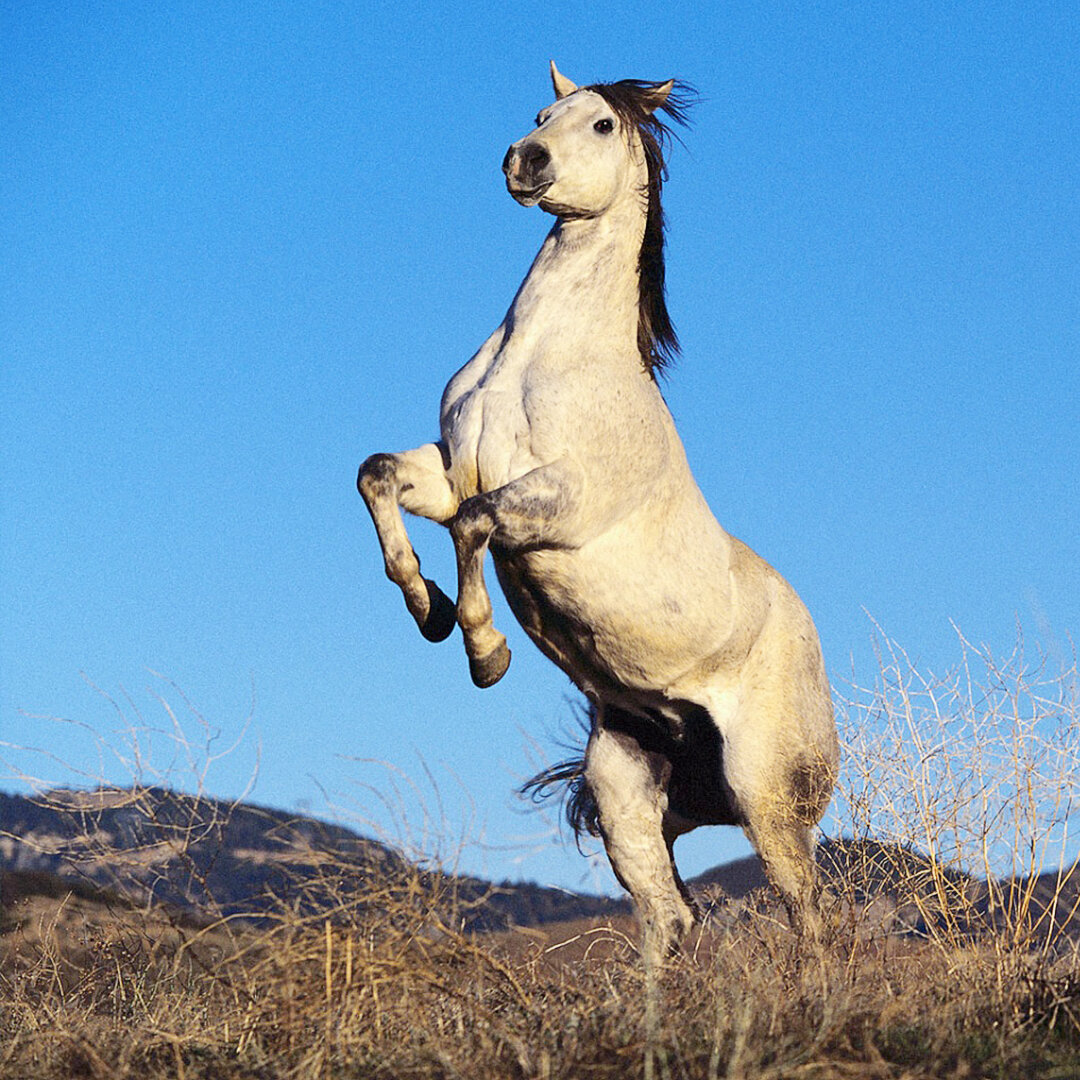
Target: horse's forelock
x,y
634,102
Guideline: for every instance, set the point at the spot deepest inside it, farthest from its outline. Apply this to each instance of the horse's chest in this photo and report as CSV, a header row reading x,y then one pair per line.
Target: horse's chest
x,y
489,438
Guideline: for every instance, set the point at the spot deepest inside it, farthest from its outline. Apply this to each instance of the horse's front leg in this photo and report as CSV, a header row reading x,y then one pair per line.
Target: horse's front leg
x,y
417,481
538,509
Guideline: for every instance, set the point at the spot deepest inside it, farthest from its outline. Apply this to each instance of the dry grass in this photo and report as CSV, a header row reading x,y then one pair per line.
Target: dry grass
x,y
930,973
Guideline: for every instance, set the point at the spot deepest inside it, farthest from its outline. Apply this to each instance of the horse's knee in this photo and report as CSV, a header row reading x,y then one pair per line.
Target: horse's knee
x,y
472,525
375,476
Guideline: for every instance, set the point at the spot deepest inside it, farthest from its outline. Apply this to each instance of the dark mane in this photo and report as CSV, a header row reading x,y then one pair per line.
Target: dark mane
x,y
630,99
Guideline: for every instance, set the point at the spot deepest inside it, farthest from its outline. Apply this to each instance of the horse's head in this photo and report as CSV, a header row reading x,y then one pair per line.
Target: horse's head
x,y
597,145
586,149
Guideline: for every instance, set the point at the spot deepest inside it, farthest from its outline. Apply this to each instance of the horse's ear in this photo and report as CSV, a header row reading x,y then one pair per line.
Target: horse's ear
x,y
563,86
658,95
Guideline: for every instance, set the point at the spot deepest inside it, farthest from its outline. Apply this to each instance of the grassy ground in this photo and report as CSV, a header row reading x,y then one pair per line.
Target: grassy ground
x,y
973,772
89,991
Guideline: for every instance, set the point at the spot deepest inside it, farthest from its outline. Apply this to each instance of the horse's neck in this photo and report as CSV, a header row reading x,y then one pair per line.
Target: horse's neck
x,y
583,283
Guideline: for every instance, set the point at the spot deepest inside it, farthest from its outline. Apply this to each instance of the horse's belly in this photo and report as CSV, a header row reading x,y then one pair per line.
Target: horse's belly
x,y
629,622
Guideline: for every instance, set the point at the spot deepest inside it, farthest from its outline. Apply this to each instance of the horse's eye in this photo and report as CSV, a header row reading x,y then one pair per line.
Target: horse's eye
x,y
539,119
604,127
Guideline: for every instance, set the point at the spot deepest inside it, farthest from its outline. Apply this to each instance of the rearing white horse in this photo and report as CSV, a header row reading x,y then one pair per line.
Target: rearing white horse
x,y
557,452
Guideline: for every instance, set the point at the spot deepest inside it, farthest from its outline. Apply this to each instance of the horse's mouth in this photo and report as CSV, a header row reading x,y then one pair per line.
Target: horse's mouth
x,y
528,196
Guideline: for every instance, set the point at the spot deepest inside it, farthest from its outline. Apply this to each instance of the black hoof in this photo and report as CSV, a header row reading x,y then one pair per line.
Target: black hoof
x,y
442,615
488,670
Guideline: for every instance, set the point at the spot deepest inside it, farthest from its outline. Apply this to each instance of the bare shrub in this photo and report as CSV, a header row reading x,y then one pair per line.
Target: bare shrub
x,y
965,783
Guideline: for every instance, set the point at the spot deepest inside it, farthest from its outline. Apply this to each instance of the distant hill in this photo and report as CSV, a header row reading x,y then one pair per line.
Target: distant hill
x,y
870,867
215,858
207,859
915,892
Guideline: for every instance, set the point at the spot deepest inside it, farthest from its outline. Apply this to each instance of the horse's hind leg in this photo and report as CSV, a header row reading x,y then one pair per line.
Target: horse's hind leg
x,y
416,480
781,809
786,848
628,784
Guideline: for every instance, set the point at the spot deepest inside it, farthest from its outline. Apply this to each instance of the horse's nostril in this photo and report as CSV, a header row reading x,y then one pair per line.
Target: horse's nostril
x,y
527,160
535,157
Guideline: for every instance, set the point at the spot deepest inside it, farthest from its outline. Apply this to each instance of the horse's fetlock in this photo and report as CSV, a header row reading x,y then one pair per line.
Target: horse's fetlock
x,y
401,564
474,617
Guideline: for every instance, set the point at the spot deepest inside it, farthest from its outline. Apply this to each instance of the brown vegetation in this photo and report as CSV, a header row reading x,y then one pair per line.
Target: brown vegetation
x,y
935,968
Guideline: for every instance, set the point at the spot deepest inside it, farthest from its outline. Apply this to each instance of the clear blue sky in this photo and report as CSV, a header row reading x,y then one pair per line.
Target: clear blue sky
x,y
245,245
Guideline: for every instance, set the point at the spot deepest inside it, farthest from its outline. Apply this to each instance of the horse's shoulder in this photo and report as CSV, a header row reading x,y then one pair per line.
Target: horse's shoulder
x,y
468,377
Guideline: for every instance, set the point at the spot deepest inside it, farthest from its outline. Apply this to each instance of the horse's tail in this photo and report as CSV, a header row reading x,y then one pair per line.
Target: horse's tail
x,y
567,779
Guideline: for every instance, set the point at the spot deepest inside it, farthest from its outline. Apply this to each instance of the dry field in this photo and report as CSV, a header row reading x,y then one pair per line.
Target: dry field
x,y
952,952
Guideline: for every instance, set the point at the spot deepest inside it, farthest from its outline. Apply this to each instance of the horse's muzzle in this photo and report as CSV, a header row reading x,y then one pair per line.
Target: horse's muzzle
x,y
527,169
